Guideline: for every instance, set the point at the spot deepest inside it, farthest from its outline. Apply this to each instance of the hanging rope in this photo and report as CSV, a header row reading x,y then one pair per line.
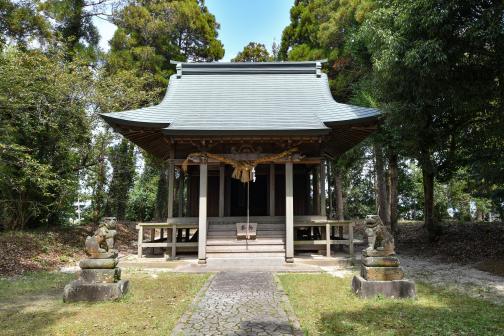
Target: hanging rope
x,y
243,170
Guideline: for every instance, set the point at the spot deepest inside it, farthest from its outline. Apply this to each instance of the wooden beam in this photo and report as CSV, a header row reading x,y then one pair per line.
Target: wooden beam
x,y
202,218
289,213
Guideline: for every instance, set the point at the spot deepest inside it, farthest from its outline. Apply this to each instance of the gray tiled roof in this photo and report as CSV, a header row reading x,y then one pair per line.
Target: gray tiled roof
x,y
226,97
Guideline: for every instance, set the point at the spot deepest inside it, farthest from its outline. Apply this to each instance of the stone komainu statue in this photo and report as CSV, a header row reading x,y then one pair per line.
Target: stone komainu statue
x,y
101,244
379,239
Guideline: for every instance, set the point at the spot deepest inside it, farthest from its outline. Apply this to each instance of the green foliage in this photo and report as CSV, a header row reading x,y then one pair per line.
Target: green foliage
x,y
151,33
437,67
20,23
73,25
122,159
253,52
323,29
45,134
142,204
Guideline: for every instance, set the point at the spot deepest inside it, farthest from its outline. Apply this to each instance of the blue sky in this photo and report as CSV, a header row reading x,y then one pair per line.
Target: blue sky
x,y
242,21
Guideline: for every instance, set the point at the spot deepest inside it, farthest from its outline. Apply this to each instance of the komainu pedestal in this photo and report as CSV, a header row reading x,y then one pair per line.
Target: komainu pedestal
x,y
99,278
381,273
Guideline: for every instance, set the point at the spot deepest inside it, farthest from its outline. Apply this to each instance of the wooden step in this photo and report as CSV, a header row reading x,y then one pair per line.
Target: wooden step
x,y
232,227
245,248
234,242
242,255
260,233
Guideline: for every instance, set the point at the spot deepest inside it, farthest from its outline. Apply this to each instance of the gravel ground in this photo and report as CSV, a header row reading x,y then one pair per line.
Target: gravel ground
x,y
464,278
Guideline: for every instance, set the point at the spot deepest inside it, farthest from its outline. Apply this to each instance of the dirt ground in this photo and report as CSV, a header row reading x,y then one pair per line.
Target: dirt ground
x,y
46,250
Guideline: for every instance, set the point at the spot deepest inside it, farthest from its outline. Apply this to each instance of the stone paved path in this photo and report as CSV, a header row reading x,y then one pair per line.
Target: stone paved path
x,y
240,304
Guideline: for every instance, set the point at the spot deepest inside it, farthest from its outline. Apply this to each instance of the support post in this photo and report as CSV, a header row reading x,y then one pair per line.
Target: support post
x,y
289,214
316,190
174,242
329,191
350,239
181,194
171,186
140,241
322,188
202,221
328,239
272,190
222,170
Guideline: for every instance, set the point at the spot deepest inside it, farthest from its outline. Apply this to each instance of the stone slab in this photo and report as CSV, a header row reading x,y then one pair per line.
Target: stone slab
x,y
382,273
377,253
394,289
380,261
78,290
99,275
104,255
98,263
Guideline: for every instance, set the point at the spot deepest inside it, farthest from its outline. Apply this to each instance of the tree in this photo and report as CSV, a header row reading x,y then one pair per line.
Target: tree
x,y
43,103
20,24
121,90
253,52
142,203
73,24
151,33
436,67
122,158
321,29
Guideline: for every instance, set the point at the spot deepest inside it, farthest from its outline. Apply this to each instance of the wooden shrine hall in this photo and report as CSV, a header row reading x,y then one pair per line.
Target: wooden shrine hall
x,y
246,146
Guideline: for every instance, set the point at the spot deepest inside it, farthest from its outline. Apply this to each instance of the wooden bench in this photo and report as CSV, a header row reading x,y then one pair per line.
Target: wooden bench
x,y
327,241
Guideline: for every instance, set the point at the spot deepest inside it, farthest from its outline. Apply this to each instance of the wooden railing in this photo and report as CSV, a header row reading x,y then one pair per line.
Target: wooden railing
x,y
326,234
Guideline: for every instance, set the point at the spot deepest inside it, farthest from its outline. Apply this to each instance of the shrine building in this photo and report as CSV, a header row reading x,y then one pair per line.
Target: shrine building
x,y
247,147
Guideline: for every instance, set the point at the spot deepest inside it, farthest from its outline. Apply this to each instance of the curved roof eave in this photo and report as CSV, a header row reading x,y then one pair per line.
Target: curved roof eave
x,y
337,113
138,118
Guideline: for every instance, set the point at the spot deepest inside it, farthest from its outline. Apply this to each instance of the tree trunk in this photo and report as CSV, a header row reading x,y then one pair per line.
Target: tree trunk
x,y
338,194
381,187
392,190
429,220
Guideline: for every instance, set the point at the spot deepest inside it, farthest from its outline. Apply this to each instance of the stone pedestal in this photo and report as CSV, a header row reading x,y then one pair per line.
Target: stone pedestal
x,y
78,290
99,280
395,288
381,274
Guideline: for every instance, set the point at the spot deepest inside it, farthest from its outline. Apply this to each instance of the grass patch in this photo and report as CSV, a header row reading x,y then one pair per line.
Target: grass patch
x,y
325,305
33,284
33,305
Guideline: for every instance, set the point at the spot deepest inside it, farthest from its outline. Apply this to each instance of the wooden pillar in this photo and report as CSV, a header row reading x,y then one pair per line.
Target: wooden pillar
x,y
171,184
272,190
350,240
222,176
202,221
181,194
140,241
328,239
316,190
174,242
322,188
227,200
289,213
329,192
